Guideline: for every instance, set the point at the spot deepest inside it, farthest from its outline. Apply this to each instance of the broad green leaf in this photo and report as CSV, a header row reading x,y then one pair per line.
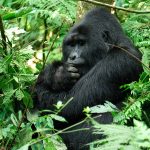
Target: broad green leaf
x,y
14,120
49,145
27,100
50,122
107,107
58,118
16,79
5,131
32,117
25,147
8,96
17,13
19,94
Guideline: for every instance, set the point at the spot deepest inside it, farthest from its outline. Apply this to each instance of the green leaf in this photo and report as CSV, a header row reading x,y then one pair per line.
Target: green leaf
x,y
25,147
8,96
107,107
1,136
17,13
14,120
50,122
58,118
26,77
24,136
27,100
16,79
6,131
20,115
2,69
7,60
32,117
49,145
19,94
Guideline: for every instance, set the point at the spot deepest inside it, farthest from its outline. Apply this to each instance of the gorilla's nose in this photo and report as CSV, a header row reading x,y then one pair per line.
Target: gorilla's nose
x,y
73,56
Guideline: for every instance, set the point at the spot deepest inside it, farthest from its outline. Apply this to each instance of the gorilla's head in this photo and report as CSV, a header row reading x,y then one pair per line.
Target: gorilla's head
x,y
87,42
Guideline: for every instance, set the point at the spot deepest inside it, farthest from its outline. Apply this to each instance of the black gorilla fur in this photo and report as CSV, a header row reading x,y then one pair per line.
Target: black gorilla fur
x,y
91,71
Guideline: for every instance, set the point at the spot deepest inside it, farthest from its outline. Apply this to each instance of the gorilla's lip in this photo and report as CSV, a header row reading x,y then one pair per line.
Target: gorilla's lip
x,y
78,61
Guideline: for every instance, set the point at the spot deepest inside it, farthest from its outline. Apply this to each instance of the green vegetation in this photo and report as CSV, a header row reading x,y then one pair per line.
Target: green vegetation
x,y
31,35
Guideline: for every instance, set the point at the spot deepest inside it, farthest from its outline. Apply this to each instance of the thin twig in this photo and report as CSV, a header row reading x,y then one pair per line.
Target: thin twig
x,y
129,53
116,7
64,105
44,38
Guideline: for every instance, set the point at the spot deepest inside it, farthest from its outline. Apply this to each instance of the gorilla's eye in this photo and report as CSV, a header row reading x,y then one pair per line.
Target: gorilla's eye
x,y
71,43
77,42
81,42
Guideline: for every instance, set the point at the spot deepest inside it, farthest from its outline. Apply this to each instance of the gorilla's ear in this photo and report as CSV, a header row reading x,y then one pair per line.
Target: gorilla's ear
x,y
107,39
106,36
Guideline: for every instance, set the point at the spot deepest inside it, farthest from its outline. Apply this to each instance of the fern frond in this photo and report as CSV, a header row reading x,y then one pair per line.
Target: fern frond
x,y
119,137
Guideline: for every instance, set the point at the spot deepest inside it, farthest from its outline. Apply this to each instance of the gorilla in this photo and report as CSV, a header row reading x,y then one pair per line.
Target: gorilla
x,y
92,69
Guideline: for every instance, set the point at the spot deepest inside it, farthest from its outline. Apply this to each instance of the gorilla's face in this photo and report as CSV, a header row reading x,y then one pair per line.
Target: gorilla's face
x,y
83,48
76,44
74,51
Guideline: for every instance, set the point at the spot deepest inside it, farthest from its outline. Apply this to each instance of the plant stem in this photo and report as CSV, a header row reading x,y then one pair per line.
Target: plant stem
x,y
3,35
116,7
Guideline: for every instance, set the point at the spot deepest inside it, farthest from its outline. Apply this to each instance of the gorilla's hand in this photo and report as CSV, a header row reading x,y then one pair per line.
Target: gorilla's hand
x,y
65,77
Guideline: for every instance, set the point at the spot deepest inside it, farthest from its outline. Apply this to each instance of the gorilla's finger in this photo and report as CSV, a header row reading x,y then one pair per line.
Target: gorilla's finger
x,y
75,75
72,69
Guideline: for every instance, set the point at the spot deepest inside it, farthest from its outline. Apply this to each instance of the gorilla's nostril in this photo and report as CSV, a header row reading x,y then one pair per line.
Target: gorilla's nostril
x,y
73,56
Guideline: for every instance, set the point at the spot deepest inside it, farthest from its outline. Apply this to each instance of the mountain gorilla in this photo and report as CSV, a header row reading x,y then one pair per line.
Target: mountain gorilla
x,y
91,71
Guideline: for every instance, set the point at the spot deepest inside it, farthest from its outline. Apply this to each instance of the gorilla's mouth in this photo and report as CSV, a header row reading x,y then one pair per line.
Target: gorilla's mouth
x,y
76,62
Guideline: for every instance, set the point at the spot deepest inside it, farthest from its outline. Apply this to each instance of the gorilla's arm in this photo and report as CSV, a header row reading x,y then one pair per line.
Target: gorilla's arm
x,y
53,83
58,76
99,84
